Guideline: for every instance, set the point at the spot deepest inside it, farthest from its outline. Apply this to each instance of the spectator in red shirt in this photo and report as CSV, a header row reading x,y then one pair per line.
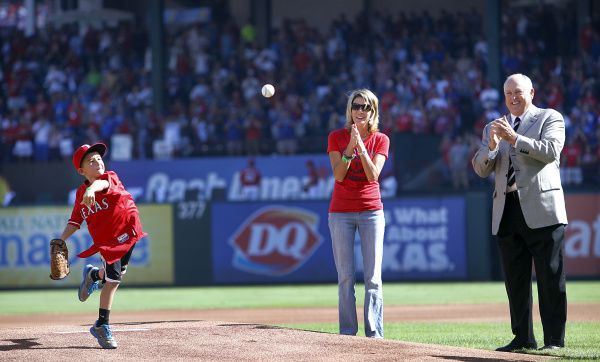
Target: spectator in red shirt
x,y
23,149
404,121
114,224
312,183
253,135
75,112
357,154
571,163
250,180
555,99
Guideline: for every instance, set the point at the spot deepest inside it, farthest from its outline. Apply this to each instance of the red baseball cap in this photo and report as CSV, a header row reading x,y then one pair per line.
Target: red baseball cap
x,y
84,150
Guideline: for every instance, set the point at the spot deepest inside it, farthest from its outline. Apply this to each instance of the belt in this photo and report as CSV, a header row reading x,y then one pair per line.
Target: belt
x,y
513,195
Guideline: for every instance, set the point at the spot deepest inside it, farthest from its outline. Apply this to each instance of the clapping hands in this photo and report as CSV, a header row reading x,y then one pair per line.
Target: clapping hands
x,y
500,129
354,136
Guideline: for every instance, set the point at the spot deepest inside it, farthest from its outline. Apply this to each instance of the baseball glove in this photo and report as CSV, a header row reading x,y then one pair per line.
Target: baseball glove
x,y
59,259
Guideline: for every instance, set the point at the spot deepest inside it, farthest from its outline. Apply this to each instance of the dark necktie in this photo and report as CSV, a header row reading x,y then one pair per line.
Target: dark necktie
x,y
510,176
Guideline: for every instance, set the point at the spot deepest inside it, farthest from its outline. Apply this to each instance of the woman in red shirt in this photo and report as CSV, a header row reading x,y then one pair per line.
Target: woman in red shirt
x,y
357,153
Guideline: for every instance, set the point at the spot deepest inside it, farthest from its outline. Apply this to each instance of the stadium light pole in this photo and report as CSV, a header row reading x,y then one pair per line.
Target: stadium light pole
x,y
30,18
261,19
157,44
491,26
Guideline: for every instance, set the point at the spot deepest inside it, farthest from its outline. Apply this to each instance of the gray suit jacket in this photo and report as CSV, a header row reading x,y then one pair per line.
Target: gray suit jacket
x,y
536,159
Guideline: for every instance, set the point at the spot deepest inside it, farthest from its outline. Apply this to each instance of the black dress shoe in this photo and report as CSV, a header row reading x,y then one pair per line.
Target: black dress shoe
x,y
515,345
550,347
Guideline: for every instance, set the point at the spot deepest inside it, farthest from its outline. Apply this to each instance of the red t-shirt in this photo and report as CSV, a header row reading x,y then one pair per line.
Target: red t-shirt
x,y
355,193
572,154
114,221
250,177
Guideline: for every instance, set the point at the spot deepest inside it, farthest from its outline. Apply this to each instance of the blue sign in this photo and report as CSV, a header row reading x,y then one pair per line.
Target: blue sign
x,y
282,178
271,243
301,177
424,239
285,242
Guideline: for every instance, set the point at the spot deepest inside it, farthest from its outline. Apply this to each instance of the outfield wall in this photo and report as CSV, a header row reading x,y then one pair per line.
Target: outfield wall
x,y
25,233
201,232
428,238
425,239
431,238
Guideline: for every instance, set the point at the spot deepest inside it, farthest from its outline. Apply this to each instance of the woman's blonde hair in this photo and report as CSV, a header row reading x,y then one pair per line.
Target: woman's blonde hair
x,y
370,99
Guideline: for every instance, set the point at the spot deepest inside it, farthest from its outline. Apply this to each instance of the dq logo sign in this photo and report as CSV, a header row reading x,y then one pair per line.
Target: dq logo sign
x,y
275,240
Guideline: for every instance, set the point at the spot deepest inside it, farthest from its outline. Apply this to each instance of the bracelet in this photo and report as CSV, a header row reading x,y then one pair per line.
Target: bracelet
x,y
346,159
363,152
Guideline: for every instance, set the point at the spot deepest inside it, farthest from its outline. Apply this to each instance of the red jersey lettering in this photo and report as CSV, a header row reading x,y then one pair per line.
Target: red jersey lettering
x,y
113,221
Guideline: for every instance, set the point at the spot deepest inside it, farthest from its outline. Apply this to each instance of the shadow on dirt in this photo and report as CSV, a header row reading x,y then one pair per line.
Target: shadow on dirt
x,y
29,343
256,326
150,322
473,359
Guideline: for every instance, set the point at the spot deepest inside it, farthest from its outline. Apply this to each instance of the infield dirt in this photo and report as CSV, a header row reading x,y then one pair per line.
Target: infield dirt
x,y
247,335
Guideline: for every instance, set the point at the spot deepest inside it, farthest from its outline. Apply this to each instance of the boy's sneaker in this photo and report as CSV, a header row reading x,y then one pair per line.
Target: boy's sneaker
x,y
103,334
88,285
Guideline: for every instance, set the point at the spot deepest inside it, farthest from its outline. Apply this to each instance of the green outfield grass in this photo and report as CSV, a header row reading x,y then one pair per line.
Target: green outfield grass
x,y
325,295
583,338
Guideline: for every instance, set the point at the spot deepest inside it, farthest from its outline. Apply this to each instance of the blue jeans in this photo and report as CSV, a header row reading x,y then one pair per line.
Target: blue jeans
x,y
371,227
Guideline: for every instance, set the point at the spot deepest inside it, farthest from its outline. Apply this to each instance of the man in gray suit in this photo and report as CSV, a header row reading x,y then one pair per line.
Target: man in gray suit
x,y
529,216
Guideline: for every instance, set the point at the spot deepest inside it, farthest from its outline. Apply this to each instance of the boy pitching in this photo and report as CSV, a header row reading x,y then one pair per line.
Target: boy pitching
x,y
114,224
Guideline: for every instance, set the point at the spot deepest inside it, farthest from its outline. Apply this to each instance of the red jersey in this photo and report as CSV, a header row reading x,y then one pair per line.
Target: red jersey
x,y
355,193
250,177
572,154
114,222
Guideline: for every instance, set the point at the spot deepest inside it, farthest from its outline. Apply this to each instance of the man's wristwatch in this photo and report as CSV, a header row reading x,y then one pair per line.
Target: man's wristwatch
x,y
362,153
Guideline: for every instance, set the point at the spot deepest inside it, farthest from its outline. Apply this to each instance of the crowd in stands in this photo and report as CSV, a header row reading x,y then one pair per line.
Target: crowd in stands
x,y
63,87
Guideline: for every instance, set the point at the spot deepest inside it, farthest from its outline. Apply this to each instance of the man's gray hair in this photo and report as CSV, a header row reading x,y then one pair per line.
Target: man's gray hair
x,y
523,79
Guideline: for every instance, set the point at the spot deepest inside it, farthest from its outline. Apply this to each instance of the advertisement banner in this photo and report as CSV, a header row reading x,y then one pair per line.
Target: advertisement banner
x,y
281,178
300,177
582,235
271,243
424,240
25,234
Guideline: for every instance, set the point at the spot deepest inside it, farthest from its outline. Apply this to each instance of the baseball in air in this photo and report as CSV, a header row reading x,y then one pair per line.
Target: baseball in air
x,y
268,90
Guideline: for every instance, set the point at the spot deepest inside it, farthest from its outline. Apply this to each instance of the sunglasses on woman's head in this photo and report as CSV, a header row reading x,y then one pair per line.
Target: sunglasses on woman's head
x,y
362,107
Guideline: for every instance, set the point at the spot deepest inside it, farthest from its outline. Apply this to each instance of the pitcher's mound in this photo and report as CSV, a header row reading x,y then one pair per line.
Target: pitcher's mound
x,y
219,341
